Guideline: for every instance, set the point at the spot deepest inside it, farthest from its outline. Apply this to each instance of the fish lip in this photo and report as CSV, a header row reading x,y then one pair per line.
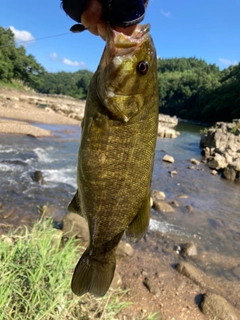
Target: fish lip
x,y
119,40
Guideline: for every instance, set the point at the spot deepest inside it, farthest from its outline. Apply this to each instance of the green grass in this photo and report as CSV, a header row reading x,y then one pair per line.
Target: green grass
x,y
15,84
35,276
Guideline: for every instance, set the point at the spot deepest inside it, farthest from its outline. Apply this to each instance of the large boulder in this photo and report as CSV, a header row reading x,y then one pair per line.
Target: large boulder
x,y
221,149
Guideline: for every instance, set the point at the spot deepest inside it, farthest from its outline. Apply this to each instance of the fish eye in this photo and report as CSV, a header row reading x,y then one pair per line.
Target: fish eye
x,y
142,67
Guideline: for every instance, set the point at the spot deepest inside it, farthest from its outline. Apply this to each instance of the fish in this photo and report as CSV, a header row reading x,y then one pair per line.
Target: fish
x,y
116,155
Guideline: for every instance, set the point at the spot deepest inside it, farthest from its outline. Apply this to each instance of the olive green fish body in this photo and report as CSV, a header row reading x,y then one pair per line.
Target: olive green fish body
x,y
116,155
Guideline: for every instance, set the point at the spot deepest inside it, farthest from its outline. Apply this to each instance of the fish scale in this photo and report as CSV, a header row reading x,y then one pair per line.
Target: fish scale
x,y
116,155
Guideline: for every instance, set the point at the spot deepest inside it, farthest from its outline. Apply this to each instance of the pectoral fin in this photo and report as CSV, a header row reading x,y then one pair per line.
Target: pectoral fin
x,y
139,225
75,205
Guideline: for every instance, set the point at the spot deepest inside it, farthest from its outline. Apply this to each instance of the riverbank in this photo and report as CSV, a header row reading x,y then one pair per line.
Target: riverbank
x,y
207,216
28,108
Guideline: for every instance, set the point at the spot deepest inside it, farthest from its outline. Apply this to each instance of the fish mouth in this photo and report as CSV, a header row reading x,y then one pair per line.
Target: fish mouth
x,y
121,44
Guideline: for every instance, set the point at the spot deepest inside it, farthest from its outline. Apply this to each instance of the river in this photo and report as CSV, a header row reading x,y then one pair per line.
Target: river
x,y
213,223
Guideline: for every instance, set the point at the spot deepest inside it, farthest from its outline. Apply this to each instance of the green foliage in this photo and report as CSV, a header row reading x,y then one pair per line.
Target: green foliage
x,y
36,271
67,83
15,64
192,89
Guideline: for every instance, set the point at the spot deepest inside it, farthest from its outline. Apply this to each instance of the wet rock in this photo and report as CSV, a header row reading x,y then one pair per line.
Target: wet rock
x,y
168,158
194,161
162,206
173,173
124,249
189,249
214,306
116,282
196,275
157,195
191,167
189,208
38,177
183,196
152,286
174,203
75,225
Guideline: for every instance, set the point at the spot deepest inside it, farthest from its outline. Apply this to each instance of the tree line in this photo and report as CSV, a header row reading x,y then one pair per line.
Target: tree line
x,y
189,88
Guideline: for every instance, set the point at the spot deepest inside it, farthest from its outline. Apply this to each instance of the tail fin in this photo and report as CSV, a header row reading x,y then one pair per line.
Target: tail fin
x,y
94,274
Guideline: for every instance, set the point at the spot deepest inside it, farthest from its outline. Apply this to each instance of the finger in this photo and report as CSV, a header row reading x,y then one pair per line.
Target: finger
x,y
92,14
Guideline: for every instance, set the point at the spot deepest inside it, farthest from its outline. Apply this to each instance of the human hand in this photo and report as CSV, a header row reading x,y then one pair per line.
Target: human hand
x,y
91,19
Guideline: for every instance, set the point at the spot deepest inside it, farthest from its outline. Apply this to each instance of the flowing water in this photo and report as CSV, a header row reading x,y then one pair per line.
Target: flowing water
x,y
214,222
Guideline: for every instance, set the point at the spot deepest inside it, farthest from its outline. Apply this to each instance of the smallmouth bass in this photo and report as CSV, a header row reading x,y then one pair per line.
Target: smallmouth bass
x,y
116,154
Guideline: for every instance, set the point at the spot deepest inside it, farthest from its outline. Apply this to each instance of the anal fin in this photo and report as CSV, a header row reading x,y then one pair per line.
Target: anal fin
x,y
139,225
75,205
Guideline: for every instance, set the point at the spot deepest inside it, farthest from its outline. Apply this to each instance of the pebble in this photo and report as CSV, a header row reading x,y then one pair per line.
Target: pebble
x,y
152,287
168,158
189,249
194,161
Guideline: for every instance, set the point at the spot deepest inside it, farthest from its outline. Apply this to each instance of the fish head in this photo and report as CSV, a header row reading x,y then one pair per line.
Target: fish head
x,y
127,71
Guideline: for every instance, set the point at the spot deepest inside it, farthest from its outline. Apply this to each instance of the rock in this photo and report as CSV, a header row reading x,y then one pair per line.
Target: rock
x,y
116,282
165,132
189,208
196,275
229,173
173,173
124,249
162,206
1,205
174,203
167,120
191,167
157,195
189,249
38,177
168,158
75,225
217,162
222,149
152,286
183,196
194,161
214,306
214,172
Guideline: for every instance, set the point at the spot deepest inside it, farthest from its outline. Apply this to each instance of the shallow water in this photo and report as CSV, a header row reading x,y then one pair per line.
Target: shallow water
x,y
214,222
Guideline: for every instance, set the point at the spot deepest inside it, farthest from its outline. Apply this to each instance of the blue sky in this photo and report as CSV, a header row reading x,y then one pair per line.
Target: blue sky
x,y
205,29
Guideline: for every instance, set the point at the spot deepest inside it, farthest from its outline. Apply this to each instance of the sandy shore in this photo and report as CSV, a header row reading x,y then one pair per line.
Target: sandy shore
x,y
19,116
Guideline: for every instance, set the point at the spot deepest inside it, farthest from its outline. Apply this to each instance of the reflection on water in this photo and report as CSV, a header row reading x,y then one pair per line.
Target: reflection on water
x,y
213,223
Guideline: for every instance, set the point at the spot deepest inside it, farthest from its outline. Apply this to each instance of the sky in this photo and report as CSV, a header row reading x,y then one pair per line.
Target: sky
x,y
205,29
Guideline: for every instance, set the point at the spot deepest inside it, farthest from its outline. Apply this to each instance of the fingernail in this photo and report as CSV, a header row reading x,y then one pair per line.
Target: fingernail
x,y
95,6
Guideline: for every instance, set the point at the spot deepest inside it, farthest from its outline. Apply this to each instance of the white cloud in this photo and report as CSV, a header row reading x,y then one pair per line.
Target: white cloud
x,y
72,63
166,14
21,35
54,56
228,62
